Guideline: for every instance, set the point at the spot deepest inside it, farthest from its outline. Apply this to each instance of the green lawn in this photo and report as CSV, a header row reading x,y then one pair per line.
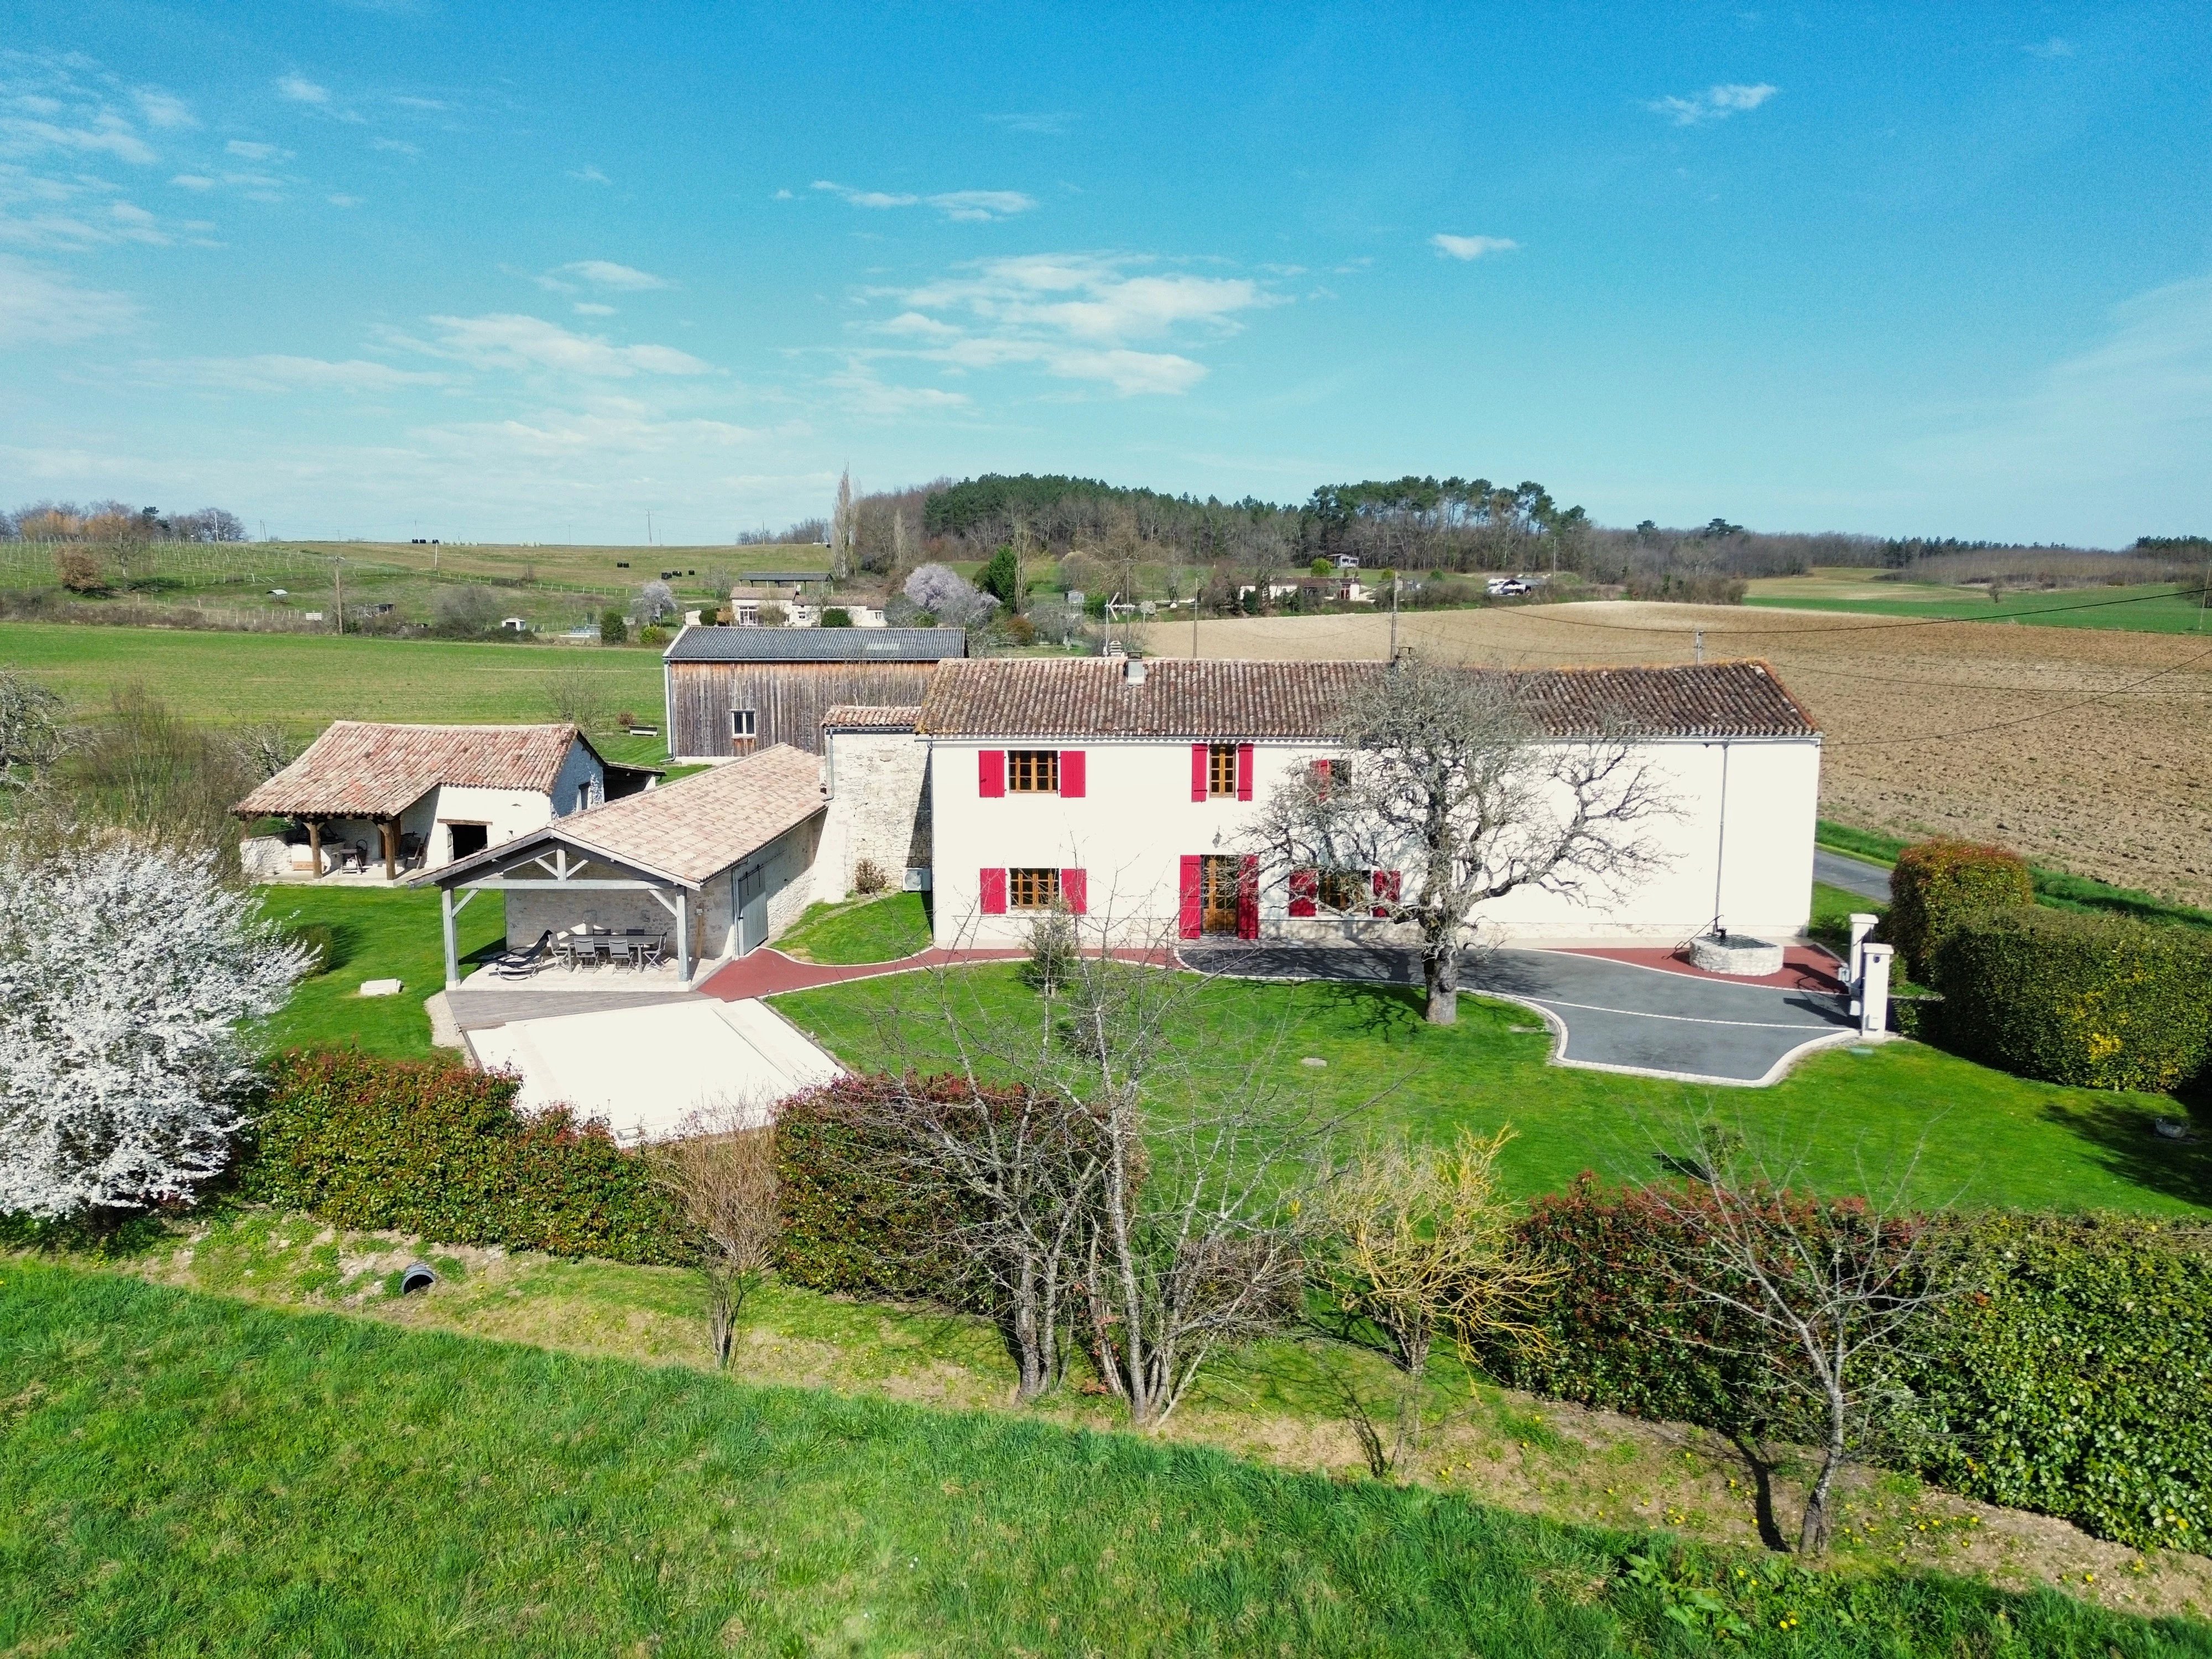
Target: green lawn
x,y
1983,1137
879,929
304,681
190,1474
2163,608
380,933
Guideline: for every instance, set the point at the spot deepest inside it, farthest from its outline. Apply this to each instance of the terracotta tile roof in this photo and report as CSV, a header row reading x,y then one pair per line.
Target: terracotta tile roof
x,y
365,769
864,717
692,829
1015,697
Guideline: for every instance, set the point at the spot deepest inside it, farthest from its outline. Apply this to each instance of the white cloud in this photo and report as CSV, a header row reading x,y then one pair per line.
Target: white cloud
x,y
968,205
340,199
782,196
2052,48
298,90
507,340
40,307
592,309
246,150
1074,317
590,176
1713,104
164,110
193,181
396,145
103,133
605,273
1471,247
1047,123
276,373
865,394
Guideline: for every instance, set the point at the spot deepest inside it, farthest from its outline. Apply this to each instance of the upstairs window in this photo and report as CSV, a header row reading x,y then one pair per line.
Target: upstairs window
x,y
1220,770
744,723
1033,772
1033,889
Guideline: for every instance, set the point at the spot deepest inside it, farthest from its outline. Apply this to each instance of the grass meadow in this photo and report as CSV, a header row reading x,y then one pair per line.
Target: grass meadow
x,y
2155,608
191,1473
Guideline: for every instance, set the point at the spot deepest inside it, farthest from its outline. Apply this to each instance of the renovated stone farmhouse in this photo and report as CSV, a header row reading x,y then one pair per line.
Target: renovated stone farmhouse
x,y
1126,788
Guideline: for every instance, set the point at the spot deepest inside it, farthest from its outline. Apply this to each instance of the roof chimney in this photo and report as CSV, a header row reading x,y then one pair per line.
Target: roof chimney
x,y
1133,671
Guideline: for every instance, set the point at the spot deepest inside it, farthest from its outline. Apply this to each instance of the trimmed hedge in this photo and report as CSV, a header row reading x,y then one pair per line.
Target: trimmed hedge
x,y
2073,1376
855,1221
2098,1001
1938,885
434,1148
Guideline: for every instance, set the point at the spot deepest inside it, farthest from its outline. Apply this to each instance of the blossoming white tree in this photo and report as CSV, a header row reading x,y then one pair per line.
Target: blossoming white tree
x,y
126,976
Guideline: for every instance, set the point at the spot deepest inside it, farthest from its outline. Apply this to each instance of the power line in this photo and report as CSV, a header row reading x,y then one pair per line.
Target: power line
x,y
2024,719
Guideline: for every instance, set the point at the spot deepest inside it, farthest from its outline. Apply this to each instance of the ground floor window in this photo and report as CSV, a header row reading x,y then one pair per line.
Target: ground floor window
x,y
1032,889
1343,893
744,724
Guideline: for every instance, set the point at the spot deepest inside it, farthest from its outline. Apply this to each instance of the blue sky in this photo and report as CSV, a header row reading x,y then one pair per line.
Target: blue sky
x,y
506,272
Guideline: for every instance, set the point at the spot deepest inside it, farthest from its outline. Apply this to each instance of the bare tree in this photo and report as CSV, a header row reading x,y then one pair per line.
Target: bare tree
x,y
1826,1291
1451,795
1121,1175
575,698
722,1168
264,750
31,735
1417,1242
843,529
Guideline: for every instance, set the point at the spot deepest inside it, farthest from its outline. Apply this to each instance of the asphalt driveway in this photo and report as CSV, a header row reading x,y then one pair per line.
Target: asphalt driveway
x,y
1610,1016
1860,876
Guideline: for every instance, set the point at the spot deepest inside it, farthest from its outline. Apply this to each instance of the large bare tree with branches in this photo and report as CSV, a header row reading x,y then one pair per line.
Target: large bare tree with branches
x,y
1450,794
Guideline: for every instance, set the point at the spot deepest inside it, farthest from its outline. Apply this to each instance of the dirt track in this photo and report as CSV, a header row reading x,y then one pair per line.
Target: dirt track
x,y
1957,728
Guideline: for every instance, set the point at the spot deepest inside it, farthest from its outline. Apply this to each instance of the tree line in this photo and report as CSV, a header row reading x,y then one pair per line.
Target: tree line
x,y
112,523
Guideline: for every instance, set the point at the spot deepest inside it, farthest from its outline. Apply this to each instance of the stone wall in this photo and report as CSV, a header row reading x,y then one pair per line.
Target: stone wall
x,y
878,809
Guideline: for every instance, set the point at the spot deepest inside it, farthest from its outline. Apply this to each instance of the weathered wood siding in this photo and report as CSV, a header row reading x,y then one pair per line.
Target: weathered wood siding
x,y
790,698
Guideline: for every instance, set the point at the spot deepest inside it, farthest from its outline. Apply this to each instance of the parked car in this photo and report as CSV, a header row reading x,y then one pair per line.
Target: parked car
x,y
1506,587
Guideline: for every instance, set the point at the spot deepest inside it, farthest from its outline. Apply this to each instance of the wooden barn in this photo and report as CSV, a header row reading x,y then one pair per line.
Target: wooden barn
x,y
732,690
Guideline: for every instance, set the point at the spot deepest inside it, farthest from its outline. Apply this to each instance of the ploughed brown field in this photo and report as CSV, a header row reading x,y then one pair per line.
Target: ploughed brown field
x,y
2057,742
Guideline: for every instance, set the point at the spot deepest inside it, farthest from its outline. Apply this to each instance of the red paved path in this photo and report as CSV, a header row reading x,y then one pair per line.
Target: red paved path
x,y
766,972
1804,967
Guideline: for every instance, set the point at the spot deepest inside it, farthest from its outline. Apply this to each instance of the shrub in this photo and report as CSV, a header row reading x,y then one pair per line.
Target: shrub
x,y
868,878
434,1148
1937,884
855,1219
2099,1001
614,627
836,615
2067,1375
81,572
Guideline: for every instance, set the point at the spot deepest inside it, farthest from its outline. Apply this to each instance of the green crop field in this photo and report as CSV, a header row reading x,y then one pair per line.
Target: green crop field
x,y
2160,608
304,681
186,1473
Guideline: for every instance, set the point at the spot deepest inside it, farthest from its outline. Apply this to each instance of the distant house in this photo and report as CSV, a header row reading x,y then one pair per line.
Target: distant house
x,y
415,797
731,690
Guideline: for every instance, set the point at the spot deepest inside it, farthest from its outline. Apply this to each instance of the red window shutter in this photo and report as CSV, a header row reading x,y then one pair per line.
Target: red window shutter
x,y
1248,896
1244,771
1321,778
1200,782
994,888
1387,890
991,773
1071,774
1074,891
1193,894
1305,890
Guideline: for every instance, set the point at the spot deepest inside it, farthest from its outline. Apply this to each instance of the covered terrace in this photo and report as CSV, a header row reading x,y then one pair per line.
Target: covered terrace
x,y
701,870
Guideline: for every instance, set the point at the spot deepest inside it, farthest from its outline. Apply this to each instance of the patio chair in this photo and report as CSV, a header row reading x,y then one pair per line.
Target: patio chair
x,y
649,951
521,964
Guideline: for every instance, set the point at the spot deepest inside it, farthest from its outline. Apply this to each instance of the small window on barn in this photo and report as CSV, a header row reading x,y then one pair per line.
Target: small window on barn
x,y
1032,889
744,723
1220,770
1033,772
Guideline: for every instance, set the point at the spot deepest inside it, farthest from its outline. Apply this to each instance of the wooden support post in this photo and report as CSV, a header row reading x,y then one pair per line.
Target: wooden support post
x,y
391,849
314,849
453,947
684,936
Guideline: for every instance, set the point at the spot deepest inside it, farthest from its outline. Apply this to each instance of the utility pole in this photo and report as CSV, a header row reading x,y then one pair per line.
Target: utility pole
x,y
648,526
1698,644
1394,616
337,576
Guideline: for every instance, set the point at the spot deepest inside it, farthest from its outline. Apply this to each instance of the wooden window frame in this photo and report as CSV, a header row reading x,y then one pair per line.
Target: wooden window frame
x,y
1032,889
1033,771
1221,771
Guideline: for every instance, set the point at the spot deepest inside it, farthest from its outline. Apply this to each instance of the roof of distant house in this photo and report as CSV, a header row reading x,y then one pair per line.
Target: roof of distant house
x,y
783,575
690,830
363,769
1010,697
817,645
870,717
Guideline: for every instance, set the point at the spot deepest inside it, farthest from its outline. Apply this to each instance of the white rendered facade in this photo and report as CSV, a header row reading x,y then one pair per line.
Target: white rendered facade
x,y
1737,846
